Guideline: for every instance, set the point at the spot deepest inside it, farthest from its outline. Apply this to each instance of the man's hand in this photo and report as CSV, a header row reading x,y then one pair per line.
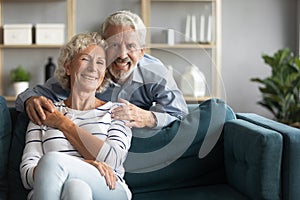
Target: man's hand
x,y
136,116
35,107
106,171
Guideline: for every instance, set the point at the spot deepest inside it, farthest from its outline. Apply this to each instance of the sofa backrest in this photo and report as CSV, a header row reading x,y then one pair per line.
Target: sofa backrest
x,y
170,159
5,138
16,190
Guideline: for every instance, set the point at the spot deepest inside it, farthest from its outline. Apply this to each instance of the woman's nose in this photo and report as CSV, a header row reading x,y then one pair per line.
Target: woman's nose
x,y
92,66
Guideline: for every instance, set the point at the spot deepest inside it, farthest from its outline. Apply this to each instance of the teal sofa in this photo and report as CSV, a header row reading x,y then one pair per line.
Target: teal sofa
x,y
213,153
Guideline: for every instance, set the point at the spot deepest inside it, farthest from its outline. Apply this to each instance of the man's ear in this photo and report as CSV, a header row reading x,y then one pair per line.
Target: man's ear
x,y
142,52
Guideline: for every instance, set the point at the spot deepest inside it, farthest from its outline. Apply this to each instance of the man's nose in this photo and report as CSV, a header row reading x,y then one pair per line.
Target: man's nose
x,y
123,51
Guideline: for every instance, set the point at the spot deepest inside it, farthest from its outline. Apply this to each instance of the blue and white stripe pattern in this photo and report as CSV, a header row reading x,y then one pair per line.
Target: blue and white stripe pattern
x,y
98,122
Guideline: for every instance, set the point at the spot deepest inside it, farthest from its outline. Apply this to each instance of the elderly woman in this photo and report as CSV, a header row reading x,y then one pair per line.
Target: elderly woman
x,y
79,152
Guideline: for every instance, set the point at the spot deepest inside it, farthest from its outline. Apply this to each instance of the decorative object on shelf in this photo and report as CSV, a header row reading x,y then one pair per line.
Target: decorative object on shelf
x,y
209,31
17,34
170,69
188,28
281,90
193,82
202,28
171,37
49,69
20,78
50,34
194,32
205,29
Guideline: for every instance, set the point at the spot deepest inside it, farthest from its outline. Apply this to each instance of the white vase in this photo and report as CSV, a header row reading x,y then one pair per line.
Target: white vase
x,y
193,82
20,87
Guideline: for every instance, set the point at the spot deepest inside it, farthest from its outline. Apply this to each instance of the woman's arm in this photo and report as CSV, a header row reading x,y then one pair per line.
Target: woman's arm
x,y
32,153
86,144
112,150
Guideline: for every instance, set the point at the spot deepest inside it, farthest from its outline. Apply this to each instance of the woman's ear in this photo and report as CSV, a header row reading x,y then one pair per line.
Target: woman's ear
x,y
67,69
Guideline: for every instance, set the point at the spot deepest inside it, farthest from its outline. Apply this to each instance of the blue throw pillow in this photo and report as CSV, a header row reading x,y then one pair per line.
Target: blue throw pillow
x,y
5,136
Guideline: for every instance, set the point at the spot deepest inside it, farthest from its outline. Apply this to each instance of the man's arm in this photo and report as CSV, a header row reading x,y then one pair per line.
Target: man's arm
x,y
35,100
168,101
51,90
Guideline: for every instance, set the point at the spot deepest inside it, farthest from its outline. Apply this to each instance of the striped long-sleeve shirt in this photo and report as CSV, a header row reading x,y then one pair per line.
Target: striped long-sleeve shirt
x,y
98,122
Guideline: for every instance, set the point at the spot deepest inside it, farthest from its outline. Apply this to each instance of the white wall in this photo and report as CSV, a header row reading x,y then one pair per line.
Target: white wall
x,y
250,29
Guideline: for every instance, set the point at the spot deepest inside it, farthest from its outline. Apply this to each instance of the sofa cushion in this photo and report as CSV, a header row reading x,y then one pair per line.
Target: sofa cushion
x,y
170,158
212,192
253,159
5,137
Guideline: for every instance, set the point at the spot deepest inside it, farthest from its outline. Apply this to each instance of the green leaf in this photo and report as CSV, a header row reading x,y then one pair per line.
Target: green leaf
x,y
281,90
20,74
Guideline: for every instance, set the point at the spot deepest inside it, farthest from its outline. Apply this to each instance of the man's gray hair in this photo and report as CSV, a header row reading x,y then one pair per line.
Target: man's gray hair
x,y
125,18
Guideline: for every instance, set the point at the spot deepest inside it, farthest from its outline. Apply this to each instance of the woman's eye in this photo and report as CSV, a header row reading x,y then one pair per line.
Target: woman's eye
x,y
85,59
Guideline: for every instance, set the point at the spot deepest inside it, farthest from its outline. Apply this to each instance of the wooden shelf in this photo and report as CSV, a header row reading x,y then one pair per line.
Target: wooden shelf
x,y
32,46
184,0
183,46
191,99
70,31
10,98
29,0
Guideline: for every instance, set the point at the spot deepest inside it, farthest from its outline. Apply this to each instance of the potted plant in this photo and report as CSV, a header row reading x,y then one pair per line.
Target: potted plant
x,y
281,90
20,78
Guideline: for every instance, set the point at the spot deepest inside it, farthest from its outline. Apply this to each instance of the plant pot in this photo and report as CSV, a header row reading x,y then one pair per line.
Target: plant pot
x,y
20,87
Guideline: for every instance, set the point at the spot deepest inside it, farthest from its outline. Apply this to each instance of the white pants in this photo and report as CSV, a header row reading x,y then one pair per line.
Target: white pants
x,y
60,176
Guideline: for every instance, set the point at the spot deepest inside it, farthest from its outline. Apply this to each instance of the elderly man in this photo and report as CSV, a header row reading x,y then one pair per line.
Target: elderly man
x,y
148,93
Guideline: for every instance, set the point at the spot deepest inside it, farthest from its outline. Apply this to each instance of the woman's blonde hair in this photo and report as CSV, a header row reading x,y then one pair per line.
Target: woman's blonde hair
x,y
78,43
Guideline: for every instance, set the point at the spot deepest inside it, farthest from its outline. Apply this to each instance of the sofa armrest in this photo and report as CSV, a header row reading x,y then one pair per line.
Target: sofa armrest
x,y
291,152
253,159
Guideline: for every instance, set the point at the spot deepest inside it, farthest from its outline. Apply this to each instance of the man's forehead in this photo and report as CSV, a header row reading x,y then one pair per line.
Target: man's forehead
x,y
125,35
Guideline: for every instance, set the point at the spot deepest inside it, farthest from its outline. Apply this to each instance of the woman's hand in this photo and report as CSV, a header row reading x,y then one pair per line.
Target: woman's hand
x,y
54,119
106,171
